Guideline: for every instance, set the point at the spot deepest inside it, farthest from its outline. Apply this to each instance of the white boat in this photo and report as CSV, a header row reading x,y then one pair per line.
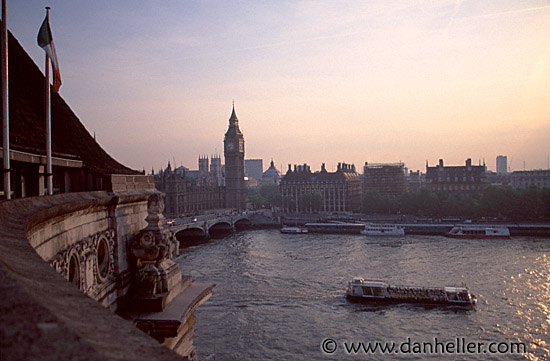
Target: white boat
x,y
479,231
378,229
368,291
290,229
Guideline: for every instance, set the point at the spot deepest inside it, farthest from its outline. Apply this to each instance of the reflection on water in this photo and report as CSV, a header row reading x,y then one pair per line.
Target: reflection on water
x,y
278,296
532,290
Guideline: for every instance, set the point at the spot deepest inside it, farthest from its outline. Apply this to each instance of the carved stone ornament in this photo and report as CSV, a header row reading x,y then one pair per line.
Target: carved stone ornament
x,y
88,263
153,245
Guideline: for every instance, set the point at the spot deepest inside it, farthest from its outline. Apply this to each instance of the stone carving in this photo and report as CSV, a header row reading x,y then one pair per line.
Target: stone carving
x,y
153,247
88,263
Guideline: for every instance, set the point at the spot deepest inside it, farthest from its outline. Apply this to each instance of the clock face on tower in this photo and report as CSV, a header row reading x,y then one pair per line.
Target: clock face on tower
x,y
230,146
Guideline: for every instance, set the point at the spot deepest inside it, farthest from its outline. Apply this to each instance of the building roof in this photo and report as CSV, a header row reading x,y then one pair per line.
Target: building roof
x,y
272,172
70,139
303,174
233,124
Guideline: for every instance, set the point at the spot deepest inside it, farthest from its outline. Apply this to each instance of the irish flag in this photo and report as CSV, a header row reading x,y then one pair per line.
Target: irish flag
x,y
45,41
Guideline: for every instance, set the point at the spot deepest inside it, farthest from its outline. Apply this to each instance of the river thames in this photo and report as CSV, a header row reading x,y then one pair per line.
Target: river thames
x,y
281,297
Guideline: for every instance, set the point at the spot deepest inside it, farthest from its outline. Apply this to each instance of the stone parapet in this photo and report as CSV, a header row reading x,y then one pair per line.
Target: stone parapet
x,y
45,317
122,182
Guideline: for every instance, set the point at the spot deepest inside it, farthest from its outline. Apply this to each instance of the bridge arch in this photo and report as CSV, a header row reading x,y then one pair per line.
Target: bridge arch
x,y
191,235
242,224
221,229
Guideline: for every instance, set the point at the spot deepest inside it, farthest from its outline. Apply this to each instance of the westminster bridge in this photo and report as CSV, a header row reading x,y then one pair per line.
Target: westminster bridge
x,y
209,226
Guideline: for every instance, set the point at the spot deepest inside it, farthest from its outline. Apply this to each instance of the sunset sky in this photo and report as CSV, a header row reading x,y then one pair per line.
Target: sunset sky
x,y
313,81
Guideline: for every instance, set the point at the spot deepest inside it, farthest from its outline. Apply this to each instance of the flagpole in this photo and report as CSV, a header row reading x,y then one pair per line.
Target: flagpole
x,y
6,114
49,174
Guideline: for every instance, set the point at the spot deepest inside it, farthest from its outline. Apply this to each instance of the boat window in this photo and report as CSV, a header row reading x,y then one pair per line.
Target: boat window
x,y
451,296
377,291
367,291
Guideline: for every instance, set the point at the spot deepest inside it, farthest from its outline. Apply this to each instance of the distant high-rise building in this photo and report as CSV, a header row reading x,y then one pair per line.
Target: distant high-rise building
x,y
502,165
254,168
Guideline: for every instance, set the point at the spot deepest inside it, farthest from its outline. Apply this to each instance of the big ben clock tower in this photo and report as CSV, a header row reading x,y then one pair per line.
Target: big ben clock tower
x,y
233,146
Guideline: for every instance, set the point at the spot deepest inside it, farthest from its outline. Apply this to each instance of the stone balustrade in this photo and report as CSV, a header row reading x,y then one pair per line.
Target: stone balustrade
x,y
64,262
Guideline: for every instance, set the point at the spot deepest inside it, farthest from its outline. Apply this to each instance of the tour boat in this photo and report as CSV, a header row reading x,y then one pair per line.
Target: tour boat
x,y
290,229
380,292
479,231
376,229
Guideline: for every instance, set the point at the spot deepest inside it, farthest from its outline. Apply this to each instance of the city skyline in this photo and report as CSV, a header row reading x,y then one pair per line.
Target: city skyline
x,y
313,82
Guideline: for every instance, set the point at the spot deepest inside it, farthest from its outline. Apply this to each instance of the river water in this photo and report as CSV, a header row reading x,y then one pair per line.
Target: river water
x,y
278,297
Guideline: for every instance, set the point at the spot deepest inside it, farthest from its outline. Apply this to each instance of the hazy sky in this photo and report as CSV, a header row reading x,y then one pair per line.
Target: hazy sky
x,y
313,81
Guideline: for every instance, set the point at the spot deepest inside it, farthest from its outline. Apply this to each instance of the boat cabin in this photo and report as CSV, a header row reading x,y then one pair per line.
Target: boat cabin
x,y
369,288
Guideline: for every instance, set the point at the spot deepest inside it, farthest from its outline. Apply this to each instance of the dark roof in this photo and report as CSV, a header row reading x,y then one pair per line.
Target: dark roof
x,y
233,124
303,174
70,139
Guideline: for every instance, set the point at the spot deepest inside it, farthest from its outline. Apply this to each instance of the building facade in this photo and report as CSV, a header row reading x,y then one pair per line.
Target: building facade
x,y
387,178
502,165
525,179
235,196
415,181
216,169
456,179
271,176
254,168
186,196
339,191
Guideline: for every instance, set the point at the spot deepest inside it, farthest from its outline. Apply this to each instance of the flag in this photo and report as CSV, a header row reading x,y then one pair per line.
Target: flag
x,y
45,41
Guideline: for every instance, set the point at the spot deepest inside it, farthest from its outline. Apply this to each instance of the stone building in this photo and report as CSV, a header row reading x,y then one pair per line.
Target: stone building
x,y
340,191
386,178
524,179
271,175
415,180
187,196
456,179
235,192
190,194
216,170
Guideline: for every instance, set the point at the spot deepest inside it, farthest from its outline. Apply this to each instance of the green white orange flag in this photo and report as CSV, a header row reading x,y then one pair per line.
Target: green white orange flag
x,y
45,41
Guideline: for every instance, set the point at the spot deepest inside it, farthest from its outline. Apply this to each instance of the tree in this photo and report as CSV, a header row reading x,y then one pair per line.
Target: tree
x,y
271,194
310,201
422,203
376,202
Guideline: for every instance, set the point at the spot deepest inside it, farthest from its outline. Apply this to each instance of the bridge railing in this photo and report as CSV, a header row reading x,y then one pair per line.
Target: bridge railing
x,y
42,315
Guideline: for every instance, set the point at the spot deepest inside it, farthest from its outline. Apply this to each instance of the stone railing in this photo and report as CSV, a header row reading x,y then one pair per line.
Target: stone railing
x,y
82,238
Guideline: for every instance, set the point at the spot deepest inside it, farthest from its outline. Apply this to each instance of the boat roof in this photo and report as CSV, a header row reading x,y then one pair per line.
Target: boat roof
x,y
456,289
378,283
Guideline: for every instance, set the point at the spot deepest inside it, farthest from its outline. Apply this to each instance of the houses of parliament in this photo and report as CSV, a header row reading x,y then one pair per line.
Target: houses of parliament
x,y
214,186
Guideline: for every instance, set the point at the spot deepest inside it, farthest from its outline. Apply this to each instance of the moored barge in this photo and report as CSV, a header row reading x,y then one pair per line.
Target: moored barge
x,y
380,292
378,229
478,231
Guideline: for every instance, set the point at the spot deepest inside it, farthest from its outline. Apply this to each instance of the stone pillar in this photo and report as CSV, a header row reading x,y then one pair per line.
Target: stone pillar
x,y
41,184
163,300
157,276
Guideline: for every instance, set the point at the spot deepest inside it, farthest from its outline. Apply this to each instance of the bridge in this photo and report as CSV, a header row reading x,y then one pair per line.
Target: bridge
x,y
207,226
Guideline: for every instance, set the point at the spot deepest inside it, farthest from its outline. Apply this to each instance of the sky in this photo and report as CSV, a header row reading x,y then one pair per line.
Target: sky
x,y
313,81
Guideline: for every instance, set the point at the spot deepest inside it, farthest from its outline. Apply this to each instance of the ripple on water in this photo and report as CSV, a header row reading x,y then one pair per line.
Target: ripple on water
x,y
278,296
